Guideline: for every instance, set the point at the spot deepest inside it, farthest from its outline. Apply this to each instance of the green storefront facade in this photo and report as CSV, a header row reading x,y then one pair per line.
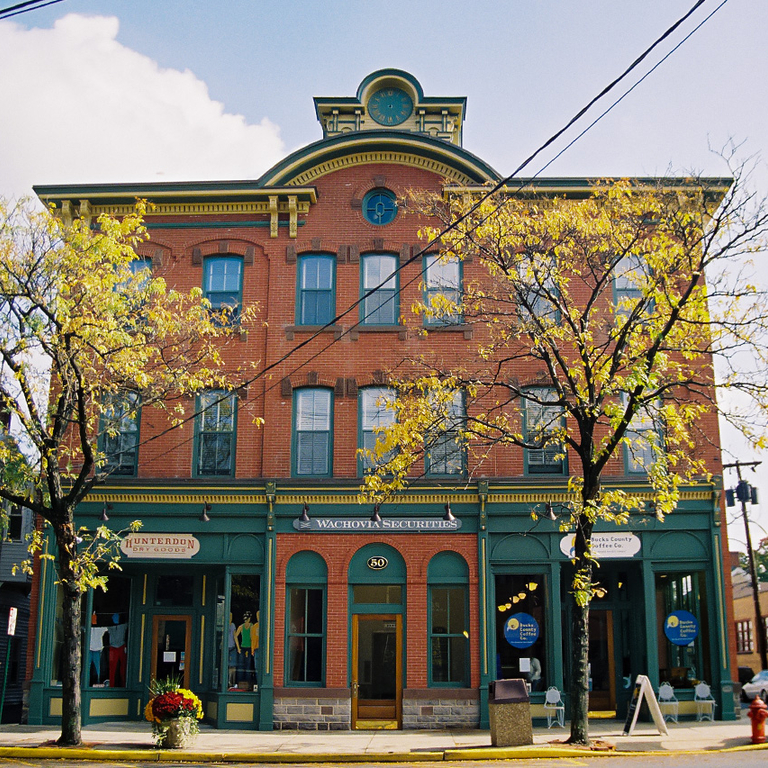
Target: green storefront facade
x,y
183,578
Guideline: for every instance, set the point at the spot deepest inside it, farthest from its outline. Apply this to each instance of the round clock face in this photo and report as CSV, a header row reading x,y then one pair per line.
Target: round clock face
x,y
390,106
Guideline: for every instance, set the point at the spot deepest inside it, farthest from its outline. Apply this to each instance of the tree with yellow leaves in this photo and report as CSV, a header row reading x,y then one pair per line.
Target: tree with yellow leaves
x,y
595,329
88,337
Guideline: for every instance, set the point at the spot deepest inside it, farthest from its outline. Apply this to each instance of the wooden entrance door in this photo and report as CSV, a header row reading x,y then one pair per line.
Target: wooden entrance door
x,y
171,643
602,694
377,674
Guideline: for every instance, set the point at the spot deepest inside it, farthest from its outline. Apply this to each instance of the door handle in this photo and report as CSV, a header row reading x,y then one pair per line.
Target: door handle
x,y
355,688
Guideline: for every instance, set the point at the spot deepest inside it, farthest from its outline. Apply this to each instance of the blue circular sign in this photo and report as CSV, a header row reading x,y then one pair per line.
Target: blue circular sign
x,y
681,627
521,630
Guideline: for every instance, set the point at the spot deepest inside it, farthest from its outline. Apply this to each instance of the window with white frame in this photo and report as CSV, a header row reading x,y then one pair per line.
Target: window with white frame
x,y
744,640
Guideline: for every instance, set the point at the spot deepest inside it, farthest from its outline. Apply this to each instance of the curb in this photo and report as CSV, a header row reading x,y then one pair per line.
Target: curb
x,y
527,752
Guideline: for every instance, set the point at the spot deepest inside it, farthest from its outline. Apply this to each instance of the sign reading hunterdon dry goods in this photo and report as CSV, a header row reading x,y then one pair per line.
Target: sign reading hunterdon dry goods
x,y
180,546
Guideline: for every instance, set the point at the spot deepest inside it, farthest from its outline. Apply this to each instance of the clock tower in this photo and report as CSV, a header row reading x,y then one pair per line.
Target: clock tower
x,y
391,99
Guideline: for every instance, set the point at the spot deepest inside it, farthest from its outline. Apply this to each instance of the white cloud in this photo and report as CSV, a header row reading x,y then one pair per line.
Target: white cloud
x,y
79,107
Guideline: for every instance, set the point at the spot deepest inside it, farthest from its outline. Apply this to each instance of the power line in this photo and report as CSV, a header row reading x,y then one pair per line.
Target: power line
x,y
490,192
19,8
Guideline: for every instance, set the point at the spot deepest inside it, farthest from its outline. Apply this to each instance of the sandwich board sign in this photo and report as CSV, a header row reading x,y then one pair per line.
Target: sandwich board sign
x,y
643,688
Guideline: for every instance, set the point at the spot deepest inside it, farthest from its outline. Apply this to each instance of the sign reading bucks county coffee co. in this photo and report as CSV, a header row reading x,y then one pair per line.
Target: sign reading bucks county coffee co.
x,y
404,525
180,546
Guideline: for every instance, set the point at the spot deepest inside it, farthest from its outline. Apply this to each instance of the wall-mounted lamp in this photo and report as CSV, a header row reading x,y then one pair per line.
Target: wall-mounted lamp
x,y
204,514
104,517
448,516
549,511
376,517
304,516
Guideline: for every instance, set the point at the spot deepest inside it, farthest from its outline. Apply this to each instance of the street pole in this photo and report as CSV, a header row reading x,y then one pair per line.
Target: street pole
x,y
760,629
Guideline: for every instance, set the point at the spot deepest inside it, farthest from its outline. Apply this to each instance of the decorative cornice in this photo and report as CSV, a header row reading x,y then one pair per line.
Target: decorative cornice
x,y
314,497
363,158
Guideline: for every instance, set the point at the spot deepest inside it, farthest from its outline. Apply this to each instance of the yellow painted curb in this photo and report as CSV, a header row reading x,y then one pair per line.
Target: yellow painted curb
x,y
526,752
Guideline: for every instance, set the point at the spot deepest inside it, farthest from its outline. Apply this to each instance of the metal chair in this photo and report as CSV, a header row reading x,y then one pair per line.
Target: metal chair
x,y
554,706
668,703
705,703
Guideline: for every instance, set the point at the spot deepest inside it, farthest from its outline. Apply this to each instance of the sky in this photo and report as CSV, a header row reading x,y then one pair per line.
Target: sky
x,y
99,91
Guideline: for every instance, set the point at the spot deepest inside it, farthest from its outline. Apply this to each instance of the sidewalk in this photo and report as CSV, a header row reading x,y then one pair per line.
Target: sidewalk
x,y
133,742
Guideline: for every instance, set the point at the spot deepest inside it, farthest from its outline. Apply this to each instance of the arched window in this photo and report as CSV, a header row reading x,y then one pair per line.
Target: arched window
x,y
306,577
448,580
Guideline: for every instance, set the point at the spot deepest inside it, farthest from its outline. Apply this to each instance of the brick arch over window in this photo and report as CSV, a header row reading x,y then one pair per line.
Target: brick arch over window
x,y
379,181
160,253
309,379
225,247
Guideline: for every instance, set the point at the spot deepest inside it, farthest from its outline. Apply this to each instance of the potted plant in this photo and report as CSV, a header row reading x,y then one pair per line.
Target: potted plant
x,y
173,712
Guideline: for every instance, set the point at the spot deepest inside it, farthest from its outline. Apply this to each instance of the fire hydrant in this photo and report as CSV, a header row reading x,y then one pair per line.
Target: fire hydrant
x,y
757,714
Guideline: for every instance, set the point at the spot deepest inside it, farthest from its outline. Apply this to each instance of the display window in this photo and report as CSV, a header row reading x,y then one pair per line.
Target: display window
x,y
521,630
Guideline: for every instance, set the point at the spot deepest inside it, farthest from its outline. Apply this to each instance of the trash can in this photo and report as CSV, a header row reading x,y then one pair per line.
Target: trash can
x,y
509,711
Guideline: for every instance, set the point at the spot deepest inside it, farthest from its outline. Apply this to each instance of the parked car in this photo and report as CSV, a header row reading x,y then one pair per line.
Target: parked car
x,y
757,686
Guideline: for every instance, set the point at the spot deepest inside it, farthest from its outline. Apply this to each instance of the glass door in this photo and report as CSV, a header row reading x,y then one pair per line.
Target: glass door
x,y
377,688
171,648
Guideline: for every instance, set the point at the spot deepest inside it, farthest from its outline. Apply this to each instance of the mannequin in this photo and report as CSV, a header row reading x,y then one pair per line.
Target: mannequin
x,y
117,652
96,647
247,644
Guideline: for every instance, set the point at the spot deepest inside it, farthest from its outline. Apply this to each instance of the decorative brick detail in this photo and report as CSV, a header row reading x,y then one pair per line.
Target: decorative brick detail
x,y
405,253
286,388
250,253
290,254
354,254
379,180
378,243
351,387
316,241
342,254
197,257
313,377
223,246
338,389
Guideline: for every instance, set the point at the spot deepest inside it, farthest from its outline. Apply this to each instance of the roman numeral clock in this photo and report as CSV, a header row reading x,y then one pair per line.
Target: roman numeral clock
x,y
390,106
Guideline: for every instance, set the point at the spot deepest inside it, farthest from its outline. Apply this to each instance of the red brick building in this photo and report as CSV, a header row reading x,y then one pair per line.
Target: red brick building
x,y
258,577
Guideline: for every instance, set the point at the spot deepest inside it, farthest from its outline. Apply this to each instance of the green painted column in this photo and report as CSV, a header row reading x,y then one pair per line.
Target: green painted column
x,y
267,641
485,598
719,635
651,622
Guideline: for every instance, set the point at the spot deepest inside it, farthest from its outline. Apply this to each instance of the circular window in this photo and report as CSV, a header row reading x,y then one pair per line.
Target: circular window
x,y
379,206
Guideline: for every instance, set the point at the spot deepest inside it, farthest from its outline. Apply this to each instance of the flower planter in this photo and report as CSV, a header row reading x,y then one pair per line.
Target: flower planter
x,y
178,733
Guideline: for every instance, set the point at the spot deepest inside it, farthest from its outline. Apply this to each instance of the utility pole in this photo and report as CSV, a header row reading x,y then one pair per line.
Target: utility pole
x,y
743,494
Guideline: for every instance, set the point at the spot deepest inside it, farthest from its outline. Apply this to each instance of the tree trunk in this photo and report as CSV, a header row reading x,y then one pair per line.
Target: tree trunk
x,y
579,688
72,651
